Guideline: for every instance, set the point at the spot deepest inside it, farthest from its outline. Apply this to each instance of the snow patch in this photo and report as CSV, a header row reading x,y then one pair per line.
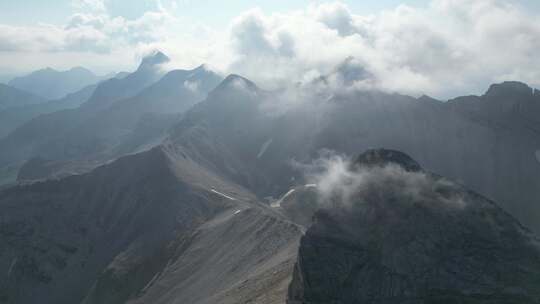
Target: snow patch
x,y
311,186
11,267
277,203
156,276
264,147
224,195
191,85
236,212
239,84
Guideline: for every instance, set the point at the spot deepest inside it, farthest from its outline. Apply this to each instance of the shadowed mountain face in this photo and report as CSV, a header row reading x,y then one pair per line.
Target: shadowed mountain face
x,y
51,84
11,97
412,237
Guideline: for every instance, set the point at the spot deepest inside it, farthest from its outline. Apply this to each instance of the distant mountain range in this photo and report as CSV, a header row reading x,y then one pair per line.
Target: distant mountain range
x,y
13,98
185,187
118,118
18,106
15,116
51,84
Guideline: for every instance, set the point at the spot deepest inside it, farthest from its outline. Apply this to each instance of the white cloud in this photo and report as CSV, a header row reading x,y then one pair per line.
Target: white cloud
x,y
447,48
192,85
93,5
338,182
450,47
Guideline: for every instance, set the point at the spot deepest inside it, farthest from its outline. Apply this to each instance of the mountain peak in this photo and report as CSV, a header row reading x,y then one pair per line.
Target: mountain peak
x,y
202,67
237,82
80,69
234,77
381,157
427,98
351,70
450,233
509,88
154,58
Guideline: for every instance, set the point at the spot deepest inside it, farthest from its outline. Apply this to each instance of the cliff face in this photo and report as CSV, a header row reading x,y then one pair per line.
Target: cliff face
x,y
412,237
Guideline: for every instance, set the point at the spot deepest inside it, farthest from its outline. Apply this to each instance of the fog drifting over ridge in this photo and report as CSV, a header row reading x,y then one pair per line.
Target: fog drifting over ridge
x,y
340,183
444,49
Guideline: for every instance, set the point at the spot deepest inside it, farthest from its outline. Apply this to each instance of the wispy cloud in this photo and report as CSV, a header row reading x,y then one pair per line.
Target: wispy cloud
x,y
341,184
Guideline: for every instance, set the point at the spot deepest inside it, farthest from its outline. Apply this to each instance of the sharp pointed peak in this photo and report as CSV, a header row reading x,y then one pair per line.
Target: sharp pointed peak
x,y
352,70
154,58
427,98
203,66
237,81
235,77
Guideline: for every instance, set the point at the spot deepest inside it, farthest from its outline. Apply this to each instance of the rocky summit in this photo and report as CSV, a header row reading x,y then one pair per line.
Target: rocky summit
x,y
414,237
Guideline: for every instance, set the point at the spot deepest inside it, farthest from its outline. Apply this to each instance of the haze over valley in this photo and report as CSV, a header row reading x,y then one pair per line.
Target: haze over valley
x,y
306,153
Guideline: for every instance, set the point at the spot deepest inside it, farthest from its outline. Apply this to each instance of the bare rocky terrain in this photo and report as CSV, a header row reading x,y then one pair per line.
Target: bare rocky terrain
x,y
420,240
183,187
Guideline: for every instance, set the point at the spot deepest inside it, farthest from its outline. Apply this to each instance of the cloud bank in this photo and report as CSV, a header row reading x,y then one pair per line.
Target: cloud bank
x,y
338,184
446,48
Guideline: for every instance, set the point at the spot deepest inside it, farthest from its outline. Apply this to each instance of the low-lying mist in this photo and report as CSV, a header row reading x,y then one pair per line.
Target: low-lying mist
x,y
345,184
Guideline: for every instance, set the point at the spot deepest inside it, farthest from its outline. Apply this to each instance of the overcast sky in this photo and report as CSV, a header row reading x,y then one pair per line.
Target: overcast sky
x,y
440,47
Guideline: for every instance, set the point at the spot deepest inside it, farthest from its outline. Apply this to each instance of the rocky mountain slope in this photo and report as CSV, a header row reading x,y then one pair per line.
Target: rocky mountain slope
x,y
403,235
181,187
234,132
490,143
146,228
161,227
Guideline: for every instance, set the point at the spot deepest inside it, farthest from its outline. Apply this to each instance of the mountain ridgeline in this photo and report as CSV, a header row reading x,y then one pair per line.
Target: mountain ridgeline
x,y
185,187
52,84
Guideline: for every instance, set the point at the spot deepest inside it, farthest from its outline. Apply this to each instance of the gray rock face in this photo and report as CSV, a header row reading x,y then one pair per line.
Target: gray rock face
x,y
413,237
